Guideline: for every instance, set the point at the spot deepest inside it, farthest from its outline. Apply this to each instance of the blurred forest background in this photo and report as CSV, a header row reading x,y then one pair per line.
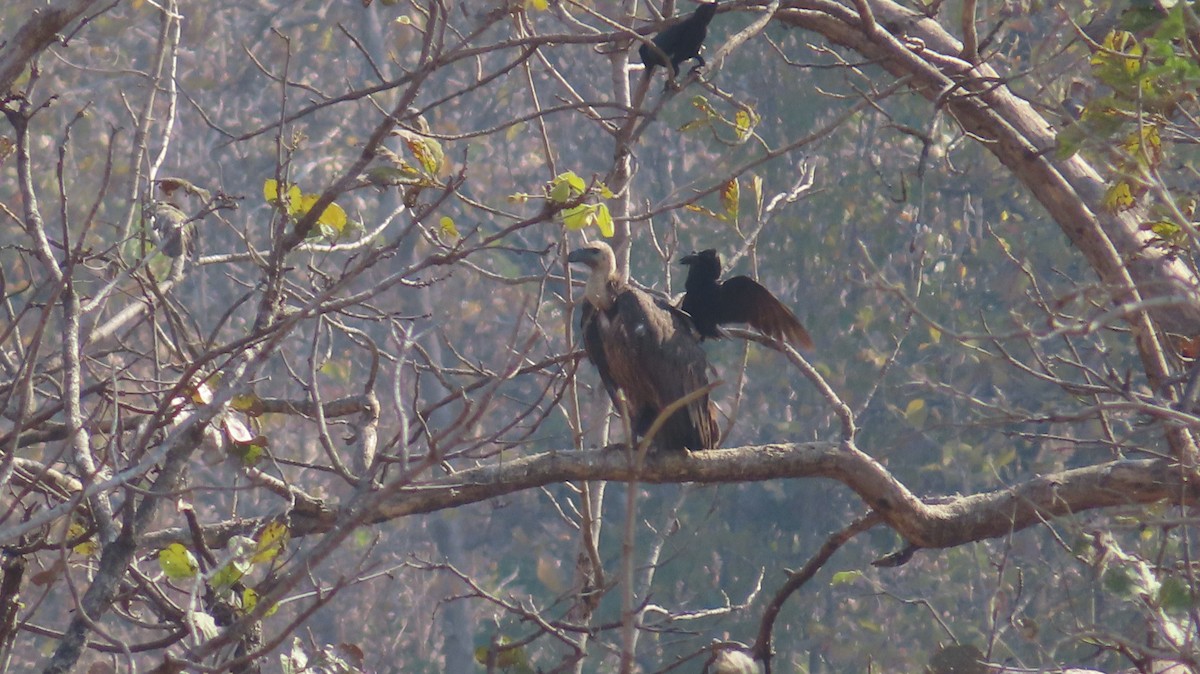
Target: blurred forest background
x,y
376,300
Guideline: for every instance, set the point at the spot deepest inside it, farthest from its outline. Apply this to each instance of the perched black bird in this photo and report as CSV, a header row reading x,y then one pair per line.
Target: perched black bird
x,y
646,349
680,42
736,300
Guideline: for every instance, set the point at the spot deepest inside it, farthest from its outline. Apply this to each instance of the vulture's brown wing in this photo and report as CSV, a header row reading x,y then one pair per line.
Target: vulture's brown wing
x,y
743,300
593,344
656,358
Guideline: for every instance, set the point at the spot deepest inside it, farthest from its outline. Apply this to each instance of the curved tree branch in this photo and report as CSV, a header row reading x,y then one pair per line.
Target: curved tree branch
x,y
909,44
949,522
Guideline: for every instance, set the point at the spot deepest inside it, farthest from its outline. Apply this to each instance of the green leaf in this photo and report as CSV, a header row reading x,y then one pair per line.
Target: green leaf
x,y
229,573
177,562
249,454
505,657
271,541
731,196
577,217
916,413
88,547
561,190
333,216
1175,595
1118,197
604,221
845,577
447,229
250,600
577,184
744,122
1119,582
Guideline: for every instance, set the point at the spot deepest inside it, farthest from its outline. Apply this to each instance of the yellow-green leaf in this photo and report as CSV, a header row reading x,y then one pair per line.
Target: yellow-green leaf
x,y
560,192
229,573
271,541
756,188
333,216
731,195
427,151
539,5
291,198
915,412
177,562
565,187
743,122
250,454
845,577
506,658
1118,197
604,221
250,600
577,217
88,547
577,184
248,403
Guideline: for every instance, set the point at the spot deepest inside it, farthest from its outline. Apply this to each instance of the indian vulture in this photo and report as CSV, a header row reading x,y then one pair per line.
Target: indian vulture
x,y
680,42
647,350
735,300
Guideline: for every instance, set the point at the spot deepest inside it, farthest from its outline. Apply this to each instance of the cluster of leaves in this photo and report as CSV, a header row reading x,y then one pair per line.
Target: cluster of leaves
x,y
731,201
178,563
235,430
1146,71
296,204
577,204
742,124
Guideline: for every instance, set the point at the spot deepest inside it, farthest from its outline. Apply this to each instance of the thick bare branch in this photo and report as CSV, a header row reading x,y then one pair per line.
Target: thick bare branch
x,y
39,32
947,523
